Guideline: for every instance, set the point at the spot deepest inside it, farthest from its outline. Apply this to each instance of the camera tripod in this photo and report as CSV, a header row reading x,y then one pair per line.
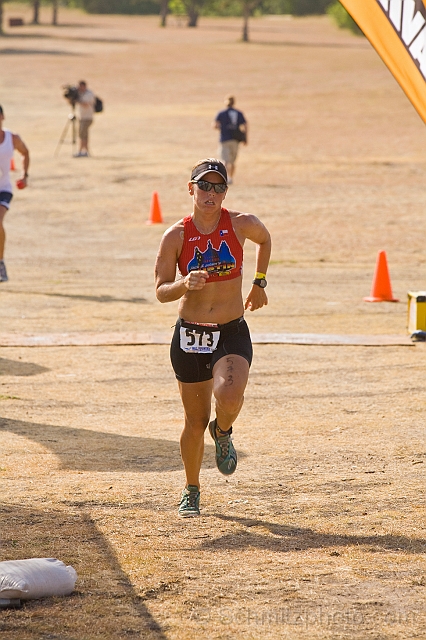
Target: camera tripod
x,y
72,120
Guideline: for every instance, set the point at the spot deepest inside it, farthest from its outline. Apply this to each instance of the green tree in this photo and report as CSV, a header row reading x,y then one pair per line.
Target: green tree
x,y
309,7
164,9
177,8
55,12
189,8
248,7
342,18
124,7
193,8
36,12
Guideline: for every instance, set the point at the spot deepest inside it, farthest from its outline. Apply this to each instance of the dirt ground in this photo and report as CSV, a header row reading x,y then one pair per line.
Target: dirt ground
x,y
320,532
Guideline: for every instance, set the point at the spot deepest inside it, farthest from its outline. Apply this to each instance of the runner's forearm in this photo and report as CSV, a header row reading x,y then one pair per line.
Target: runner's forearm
x,y
171,291
263,254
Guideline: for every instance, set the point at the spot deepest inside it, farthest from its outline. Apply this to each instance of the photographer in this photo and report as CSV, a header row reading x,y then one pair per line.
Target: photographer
x,y
85,99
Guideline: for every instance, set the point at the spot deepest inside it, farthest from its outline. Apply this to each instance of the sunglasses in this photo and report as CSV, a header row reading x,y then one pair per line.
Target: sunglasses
x,y
204,185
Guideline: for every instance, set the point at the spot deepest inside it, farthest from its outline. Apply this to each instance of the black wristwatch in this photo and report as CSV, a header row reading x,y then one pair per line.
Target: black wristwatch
x,y
261,282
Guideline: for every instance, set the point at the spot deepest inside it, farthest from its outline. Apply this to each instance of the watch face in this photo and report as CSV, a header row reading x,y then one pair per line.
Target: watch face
x,y
263,283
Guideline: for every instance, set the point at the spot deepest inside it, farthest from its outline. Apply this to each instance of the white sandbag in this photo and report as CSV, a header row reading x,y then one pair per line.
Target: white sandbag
x,y
36,578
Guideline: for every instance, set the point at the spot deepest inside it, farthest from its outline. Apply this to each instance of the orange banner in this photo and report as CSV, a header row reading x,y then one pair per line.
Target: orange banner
x,y
397,30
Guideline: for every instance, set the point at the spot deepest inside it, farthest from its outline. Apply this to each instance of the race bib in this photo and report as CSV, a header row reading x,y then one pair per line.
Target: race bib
x,y
198,339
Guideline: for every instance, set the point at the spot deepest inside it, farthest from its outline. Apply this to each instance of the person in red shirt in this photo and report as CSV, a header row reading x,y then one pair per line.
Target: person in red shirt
x,y
211,349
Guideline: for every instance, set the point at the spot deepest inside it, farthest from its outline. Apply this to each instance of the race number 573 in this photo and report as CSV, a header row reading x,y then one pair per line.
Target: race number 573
x,y
198,340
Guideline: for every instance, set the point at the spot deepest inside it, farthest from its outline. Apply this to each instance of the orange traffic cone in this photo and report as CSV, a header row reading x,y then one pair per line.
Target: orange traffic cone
x,y
12,165
155,216
381,290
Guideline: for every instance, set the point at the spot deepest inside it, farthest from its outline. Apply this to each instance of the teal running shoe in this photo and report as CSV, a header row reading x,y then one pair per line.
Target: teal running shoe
x,y
189,502
226,456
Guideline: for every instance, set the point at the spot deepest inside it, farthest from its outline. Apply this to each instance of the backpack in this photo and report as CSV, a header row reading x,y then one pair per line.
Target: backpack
x,y
99,105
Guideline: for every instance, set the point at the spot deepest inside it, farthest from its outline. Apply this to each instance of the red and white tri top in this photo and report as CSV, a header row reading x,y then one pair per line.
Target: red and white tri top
x,y
219,253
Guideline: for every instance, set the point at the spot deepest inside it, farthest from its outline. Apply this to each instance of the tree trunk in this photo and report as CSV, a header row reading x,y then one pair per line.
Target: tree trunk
x,y
164,9
36,8
55,12
246,15
192,17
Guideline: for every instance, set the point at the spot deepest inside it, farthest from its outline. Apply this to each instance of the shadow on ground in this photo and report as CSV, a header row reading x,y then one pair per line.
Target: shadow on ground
x,y
86,450
288,538
104,604
80,296
31,52
16,368
104,298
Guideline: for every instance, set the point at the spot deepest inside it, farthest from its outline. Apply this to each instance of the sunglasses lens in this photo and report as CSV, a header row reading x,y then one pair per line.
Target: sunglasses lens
x,y
204,185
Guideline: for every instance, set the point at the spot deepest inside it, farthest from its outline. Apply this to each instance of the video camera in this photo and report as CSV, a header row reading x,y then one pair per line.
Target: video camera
x,y
71,93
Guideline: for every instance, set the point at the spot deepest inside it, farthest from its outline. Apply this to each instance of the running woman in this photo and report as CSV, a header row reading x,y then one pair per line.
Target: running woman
x,y
211,349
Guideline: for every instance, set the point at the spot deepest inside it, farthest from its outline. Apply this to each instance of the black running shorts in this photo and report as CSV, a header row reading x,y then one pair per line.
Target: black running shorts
x,y
5,198
195,348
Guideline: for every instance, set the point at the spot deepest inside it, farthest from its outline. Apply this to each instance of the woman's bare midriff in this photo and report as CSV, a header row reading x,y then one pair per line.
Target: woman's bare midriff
x,y
218,303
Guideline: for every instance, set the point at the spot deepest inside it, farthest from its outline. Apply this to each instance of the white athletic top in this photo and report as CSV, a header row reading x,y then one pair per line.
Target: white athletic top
x,y
6,155
86,110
